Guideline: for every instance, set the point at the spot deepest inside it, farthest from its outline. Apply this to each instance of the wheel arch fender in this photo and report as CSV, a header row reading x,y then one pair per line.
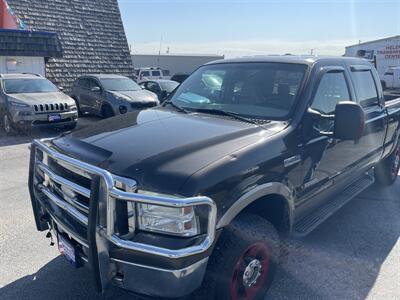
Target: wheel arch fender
x,y
257,193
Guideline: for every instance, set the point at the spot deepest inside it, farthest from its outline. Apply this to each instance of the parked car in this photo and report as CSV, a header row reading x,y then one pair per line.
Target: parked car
x,y
193,194
391,78
107,95
144,74
29,100
180,77
162,88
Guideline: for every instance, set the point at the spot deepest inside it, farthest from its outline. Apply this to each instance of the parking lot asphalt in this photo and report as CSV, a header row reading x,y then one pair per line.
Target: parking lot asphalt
x,y
354,255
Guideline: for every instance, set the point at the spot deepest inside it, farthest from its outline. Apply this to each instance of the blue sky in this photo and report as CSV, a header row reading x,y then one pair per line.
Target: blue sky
x,y
238,27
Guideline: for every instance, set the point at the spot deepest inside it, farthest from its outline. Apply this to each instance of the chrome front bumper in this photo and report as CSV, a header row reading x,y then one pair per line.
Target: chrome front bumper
x,y
102,237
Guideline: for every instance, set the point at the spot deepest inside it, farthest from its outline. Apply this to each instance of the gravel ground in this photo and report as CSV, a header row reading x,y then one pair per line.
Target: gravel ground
x,y
353,255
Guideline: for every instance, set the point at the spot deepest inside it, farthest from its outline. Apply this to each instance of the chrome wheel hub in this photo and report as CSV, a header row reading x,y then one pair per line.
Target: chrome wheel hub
x,y
252,273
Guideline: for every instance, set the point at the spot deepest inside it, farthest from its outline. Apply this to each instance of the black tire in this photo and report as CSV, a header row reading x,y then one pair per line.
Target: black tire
x,y
247,241
71,126
78,107
107,111
386,171
8,125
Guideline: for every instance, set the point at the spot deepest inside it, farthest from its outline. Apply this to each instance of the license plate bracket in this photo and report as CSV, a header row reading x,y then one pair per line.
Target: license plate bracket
x,y
67,249
54,117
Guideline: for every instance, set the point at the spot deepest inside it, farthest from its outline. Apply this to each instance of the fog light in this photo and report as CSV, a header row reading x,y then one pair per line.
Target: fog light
x,y
25,113
123,109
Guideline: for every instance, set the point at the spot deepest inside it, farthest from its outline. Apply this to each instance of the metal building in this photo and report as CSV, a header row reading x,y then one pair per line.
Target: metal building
x,y
173,63
383,53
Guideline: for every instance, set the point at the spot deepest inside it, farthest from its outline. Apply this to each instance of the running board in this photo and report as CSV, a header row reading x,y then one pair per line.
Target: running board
x,y
313,220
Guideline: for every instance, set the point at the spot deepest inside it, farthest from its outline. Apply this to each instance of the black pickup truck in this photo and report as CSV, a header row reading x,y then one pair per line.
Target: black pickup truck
x,y
196,193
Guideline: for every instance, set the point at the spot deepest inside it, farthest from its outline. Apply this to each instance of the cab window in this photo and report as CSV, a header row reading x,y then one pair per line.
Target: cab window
x,y
83,83
365,88
156,73
145,74
331,90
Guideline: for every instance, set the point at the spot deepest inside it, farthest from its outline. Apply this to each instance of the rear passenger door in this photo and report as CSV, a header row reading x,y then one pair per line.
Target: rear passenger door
x,y
370,97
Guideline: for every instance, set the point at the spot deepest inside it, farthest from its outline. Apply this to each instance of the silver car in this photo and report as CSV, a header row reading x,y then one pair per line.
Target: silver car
x,y
30,100
109,95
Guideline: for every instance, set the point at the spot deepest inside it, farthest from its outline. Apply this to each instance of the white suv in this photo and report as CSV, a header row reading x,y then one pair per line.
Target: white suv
x,y
145,74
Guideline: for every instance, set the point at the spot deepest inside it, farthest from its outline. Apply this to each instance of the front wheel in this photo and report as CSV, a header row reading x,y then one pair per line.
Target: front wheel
x,y
244,260
386,171
107,111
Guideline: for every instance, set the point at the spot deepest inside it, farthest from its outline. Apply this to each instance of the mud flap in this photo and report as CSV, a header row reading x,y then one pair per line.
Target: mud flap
x,y
98,245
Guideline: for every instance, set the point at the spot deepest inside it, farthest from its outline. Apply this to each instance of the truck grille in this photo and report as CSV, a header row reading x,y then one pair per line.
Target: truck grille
x,y
69,186
55,175
44,108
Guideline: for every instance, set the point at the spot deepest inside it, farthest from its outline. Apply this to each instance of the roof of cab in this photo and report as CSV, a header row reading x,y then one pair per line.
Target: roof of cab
x,y
295,59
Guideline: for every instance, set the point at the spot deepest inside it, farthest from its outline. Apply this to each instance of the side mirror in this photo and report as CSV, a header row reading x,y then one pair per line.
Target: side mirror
x,y
143,87
96,89
61,89
349,121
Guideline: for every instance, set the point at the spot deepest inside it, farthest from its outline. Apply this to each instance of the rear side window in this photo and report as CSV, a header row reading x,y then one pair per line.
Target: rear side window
x,y
152,86
365,87
145,74
92,83
83,83
331,90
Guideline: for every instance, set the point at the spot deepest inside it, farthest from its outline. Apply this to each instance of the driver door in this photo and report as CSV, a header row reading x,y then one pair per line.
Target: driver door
x,y
324,157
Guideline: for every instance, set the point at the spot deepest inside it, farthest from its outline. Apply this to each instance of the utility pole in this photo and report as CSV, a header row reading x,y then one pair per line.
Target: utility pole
x,y
159,52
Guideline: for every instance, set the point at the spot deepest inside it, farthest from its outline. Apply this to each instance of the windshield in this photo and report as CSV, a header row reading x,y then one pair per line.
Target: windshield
x,y
261,90
119,84
25,86
169,86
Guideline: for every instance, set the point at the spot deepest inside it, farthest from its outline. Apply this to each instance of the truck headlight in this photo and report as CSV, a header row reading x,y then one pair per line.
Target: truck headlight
x,y
18,104
168,220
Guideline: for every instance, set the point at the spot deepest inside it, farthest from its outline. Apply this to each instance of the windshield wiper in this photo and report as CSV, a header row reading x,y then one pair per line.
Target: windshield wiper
x,y
230,114
177,107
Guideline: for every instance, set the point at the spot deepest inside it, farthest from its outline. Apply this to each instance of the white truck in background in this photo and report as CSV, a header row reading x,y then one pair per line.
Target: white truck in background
x,y
144,74
385,55
391,78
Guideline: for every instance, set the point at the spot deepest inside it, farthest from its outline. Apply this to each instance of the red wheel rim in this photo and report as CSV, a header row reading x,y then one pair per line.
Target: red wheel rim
x,y
258,255
396,162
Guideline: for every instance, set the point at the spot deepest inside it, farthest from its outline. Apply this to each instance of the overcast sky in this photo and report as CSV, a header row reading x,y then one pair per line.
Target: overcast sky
x,y
252,27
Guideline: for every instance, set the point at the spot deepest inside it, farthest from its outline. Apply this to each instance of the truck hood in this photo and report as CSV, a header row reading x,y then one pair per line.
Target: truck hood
x,y
160,148
42,98
136,96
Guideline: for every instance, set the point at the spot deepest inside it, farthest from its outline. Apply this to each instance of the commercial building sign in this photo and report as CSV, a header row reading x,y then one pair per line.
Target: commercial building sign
x,y
390,52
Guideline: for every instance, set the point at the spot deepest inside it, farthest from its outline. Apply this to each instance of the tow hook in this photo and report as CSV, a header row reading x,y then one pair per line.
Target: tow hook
x,y
50,236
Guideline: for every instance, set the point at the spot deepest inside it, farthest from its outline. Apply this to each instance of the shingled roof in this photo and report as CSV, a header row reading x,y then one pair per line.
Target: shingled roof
x,y
91,33
29,43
